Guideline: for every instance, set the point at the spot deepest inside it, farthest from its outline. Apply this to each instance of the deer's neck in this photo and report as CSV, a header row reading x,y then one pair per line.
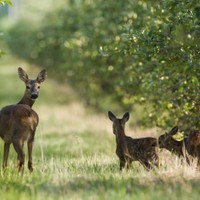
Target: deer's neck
x,y
176,147
121,141
26,100
120,136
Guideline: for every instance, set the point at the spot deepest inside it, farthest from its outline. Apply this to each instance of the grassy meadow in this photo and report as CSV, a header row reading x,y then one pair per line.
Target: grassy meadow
x,y
74,152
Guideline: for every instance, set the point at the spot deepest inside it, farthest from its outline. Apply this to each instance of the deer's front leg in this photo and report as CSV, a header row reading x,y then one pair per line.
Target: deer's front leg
x,y
122,163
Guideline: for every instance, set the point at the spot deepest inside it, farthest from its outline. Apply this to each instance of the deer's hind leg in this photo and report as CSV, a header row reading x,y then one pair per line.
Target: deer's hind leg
x,y
30,148
155,160
6,152
145,164
128,163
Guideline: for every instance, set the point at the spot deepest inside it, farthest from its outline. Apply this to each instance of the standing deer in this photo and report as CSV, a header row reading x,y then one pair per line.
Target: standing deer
x,y
18,122
129,149
190,145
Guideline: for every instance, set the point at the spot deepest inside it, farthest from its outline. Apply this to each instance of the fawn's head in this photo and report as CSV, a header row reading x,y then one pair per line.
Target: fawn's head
x,y
118,124
32,86
166,140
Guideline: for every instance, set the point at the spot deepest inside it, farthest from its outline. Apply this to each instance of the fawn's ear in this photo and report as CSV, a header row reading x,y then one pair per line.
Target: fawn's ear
x,y
173,131
22,75
42,76
111,116
126,116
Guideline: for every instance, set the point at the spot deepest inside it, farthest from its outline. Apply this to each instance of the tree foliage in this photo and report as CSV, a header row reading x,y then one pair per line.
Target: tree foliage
x,y
2,2
129,52
164,59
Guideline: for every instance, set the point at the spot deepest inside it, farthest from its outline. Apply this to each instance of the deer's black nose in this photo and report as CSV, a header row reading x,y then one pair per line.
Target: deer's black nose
x,y
34,96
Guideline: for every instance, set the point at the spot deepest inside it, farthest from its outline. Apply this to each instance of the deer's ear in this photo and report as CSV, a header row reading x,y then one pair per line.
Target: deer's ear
x,y
111,116
173,131
42,76
126,116
22,75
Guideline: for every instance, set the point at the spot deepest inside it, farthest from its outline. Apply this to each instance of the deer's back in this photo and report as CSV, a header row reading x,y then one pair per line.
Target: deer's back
x,y
17,118
141,147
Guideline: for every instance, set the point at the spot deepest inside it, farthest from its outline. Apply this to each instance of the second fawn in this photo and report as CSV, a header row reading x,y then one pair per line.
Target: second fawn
x,y
130,149
189,146
18,122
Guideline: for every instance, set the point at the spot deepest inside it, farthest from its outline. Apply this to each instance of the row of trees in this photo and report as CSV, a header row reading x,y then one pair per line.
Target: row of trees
x,y
134,52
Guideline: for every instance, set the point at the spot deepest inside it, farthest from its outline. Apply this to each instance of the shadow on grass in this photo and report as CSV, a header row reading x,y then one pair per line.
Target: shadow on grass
x,y
113,188
117,188
100,182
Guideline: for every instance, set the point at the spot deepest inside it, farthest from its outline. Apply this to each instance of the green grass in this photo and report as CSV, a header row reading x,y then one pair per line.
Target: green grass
x,y
74,153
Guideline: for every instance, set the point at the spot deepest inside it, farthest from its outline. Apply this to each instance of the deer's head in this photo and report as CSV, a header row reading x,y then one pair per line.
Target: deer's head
x,y
32,86
166,140
118,124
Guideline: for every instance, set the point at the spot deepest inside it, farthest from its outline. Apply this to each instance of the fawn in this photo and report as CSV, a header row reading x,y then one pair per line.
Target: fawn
x,y
190,145
18,122
130,149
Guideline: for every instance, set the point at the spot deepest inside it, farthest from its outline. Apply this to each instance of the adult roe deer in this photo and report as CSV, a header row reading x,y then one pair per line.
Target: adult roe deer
x,y
190,145
130,149
18,122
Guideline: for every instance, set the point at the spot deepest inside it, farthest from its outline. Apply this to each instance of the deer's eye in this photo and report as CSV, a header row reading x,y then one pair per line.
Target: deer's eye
x,y
38,87
27,87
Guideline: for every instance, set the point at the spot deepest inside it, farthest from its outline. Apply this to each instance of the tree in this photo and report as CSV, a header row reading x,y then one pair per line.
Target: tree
x,y
128,52
2,2
164,61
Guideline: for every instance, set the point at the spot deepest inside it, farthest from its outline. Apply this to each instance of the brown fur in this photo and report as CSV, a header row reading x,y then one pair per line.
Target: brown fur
x,y
18,122
129,149
188,146
193,146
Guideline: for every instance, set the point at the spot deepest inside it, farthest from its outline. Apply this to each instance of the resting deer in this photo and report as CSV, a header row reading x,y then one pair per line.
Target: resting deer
x,y
129,149
18,122
190,145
